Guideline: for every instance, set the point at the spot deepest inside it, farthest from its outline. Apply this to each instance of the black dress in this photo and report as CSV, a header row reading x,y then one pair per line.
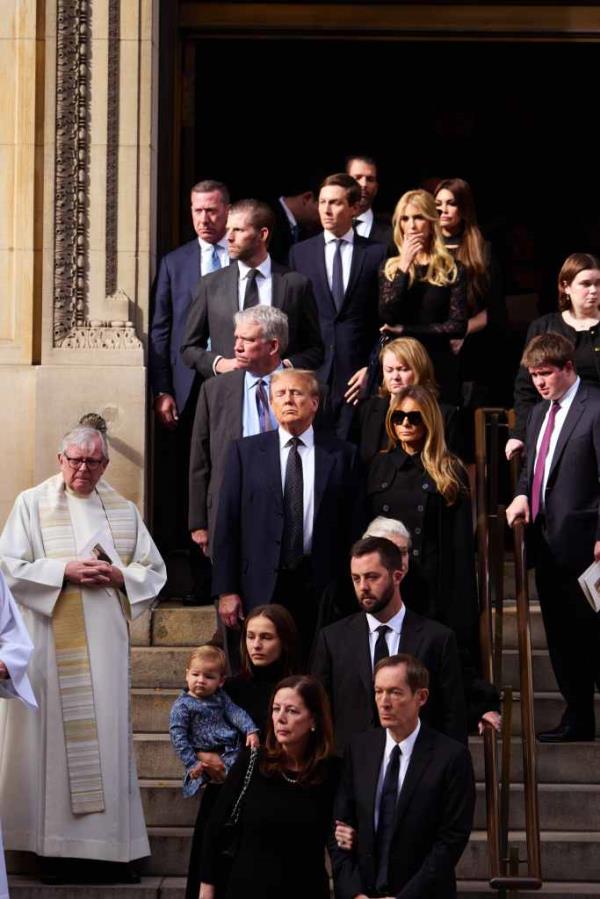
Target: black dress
x,y
434,315
587,363
441,583
284,828
253,694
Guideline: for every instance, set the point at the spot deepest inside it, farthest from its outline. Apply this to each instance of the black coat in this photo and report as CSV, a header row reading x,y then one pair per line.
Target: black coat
x,y
443,552
342,662
434,816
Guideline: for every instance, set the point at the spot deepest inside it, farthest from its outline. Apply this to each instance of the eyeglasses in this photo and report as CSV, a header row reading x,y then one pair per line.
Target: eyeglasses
x,y
91,464
414,418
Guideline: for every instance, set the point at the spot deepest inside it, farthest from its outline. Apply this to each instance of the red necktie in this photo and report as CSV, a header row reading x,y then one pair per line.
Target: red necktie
x,y
540,462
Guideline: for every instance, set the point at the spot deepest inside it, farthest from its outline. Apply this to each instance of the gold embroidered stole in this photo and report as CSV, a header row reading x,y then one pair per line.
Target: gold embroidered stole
x,y
70,638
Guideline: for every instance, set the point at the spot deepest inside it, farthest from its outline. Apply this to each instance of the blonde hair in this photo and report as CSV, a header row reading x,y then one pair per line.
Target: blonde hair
x,y
412,353
208,653
441,268
443,467
307,377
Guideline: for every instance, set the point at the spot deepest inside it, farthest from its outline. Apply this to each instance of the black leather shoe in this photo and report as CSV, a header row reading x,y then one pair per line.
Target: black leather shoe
x,y
566,733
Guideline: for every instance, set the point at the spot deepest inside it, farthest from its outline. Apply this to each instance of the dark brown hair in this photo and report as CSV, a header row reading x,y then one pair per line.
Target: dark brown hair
x,y
471,248
320,741
389,554
261,215
548,349
573,264
417,675
350,184
286,631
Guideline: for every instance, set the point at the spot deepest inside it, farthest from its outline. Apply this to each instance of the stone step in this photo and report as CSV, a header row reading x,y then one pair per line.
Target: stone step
x,y
543,675
563,763
174,624
572,807
566,763
548,710
158,666
480,889
26,887
536,625
576,855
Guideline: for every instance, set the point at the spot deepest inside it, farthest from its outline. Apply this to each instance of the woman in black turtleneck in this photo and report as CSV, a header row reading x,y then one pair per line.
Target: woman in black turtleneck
x,y
269,652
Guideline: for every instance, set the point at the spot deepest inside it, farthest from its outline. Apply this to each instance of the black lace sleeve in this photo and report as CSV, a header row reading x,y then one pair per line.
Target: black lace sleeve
x,y
394,292
391,295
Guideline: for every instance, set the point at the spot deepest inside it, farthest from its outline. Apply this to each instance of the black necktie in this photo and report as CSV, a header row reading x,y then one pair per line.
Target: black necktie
x,y
251,295
337,281
381,647
292,543
387,818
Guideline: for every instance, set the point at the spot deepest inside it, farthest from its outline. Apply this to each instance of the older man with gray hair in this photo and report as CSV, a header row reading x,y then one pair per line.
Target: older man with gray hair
x,y
81,565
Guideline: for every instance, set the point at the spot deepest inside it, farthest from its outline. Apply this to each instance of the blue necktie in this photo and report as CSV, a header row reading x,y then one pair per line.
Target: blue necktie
x,y
214,263
262,407
337,285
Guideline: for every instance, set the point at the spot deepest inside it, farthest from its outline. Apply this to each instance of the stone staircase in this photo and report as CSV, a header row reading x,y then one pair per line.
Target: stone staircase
x,y
569,775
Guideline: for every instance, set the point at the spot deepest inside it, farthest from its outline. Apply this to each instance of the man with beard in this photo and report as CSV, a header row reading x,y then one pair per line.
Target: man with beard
x,y
347,652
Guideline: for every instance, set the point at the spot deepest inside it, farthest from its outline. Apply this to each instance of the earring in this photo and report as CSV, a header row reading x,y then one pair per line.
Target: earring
x,y
313,729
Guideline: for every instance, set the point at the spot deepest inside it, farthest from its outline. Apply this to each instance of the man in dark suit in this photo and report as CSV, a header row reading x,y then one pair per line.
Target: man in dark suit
x,y
367,223
559,496
286,511
232,406
406,798
174,385
343,268
253,279
347,652
296,219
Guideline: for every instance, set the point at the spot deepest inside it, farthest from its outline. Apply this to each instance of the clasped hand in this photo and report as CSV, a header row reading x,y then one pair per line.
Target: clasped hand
x,y
94,573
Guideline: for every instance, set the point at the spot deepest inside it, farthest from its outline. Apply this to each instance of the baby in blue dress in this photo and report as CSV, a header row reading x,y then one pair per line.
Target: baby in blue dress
x,y
204,719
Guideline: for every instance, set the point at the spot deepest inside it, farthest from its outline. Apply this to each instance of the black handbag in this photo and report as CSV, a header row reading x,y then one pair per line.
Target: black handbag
x,y
230,832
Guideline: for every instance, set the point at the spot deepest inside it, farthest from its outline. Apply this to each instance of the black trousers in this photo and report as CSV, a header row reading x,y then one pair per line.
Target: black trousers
x,y
573,634
210,794
295,589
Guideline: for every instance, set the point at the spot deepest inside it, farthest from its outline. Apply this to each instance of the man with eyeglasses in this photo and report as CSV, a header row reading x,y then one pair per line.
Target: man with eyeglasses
x,y
81,564
347,652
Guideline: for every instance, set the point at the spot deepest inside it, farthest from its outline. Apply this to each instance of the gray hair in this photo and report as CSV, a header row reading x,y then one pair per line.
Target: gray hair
x,y
272,322
387,527
83,437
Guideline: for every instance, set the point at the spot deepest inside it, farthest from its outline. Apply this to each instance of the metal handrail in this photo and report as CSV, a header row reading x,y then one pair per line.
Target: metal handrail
x,y
490,535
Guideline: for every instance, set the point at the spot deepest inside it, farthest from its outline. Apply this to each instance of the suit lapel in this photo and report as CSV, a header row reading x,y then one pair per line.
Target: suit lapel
x,y
362,654
270,448
230,303
324,461
322,271
573,415
411,636
358,254
277,290
418,762
235,402
372,766
537,417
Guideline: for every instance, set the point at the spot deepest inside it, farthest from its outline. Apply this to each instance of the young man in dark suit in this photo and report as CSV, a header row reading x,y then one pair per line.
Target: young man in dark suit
x,y
559,497
174,385
296,218
346,653
286,511
343,268
252,279
406,799
367,222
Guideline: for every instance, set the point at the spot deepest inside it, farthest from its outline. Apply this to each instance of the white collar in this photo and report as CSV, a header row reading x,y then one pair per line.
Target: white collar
x,y
206,247
307,437
289,214
264,268
395,623
348,236
406,746
568,396
252,379
365,217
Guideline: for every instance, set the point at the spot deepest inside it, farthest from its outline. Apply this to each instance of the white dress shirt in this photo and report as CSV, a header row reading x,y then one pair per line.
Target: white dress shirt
x,y
565,404
392,638
250,420
346,251
365,225
288,213
206,252
406,749
307,456
263,282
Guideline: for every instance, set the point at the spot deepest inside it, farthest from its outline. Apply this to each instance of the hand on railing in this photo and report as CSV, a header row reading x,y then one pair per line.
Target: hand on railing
x,y
514,447
490,719
519,508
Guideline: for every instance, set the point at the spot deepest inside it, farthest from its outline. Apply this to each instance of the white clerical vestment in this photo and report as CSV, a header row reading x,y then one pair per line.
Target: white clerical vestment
x,y
35,800
15,652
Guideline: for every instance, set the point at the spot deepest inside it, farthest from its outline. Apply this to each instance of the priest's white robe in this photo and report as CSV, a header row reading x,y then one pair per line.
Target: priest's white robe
x,y
34,787
15,652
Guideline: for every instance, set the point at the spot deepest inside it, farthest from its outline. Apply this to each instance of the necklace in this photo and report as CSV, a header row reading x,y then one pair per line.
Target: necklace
x,y
290,780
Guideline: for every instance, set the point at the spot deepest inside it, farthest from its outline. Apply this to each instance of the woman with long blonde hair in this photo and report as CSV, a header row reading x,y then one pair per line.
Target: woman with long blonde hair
x,y
422,290
418,481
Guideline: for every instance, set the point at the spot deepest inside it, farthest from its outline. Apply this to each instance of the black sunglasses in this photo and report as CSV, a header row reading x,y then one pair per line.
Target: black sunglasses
x,y
414,418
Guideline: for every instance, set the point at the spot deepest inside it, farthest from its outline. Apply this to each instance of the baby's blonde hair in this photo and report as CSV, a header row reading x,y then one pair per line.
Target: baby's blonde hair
x,y
208,653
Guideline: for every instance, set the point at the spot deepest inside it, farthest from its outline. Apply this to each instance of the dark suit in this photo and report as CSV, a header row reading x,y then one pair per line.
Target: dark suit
x,y
342,661
216,301
249,525
176,281
282,238
562,541
348,334
382,232
434,816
